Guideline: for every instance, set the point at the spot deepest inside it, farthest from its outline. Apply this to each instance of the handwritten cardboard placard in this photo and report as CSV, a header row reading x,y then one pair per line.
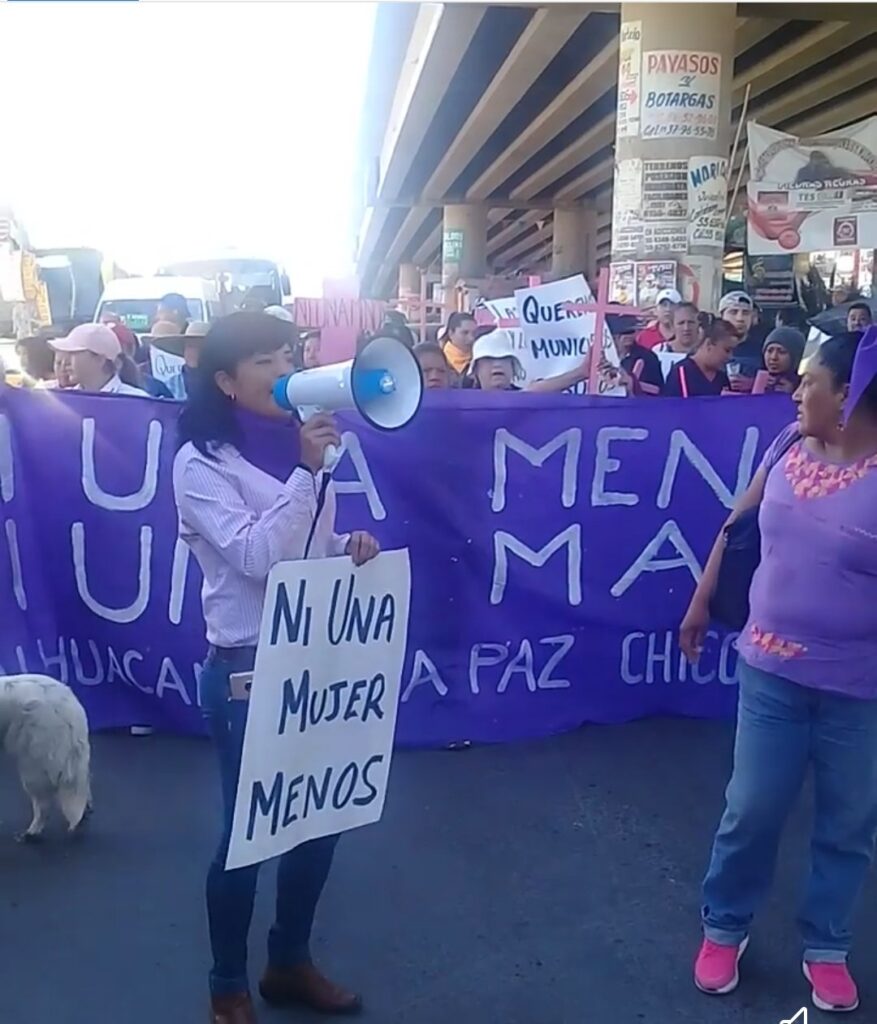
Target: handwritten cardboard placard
x,y
322,714
558,339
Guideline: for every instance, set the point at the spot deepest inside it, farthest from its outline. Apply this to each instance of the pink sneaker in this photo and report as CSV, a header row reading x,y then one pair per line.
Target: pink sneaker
x,y
833,987
715,969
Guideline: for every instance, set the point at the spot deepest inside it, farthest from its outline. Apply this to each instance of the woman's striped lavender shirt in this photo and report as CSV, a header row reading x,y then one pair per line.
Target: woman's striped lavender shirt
x,y
239,522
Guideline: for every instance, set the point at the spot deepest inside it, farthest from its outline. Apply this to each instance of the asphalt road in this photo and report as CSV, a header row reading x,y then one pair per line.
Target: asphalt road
x,y
547,883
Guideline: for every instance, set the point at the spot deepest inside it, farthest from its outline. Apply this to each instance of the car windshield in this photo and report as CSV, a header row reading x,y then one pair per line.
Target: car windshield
x,y
139,314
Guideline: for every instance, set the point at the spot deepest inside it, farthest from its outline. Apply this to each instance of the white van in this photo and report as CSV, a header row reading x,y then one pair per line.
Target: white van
x,y
135,299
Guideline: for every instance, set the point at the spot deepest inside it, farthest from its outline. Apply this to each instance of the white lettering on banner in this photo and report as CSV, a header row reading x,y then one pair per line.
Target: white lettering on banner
x,y
521,663
503,440
169,679
604,464
680,443
424,671
7,465
121,502
179,568
131,612
15,564
365,483
496,655
570,538
491,655
651,651
649,562
78,670
318,742
109,669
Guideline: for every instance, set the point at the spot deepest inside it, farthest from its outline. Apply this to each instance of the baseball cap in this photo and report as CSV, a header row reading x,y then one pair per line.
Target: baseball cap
x,y
668,295
97,338
735,299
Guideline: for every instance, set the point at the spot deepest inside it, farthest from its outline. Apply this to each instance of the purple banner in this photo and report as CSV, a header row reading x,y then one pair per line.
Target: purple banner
x,y
554,545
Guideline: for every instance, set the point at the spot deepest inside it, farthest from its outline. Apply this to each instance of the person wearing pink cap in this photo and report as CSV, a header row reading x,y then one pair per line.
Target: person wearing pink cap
x,y
97,361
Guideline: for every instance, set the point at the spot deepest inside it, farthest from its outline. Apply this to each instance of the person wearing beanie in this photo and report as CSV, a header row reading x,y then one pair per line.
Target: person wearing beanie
x,y
783,349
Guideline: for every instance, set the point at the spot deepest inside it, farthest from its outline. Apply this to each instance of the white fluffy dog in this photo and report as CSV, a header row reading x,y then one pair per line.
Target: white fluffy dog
x,y
44,728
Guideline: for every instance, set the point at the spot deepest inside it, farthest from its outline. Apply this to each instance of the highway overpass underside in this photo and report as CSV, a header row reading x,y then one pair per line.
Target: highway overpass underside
x,y
511,112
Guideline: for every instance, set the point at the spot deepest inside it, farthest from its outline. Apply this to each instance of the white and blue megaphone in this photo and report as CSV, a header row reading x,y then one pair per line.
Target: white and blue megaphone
x,y
383,383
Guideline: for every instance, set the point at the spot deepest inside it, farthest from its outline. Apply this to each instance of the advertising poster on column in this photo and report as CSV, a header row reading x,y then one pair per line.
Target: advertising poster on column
x,y
707,201
812,193
629,61
665,206
680,94
627,211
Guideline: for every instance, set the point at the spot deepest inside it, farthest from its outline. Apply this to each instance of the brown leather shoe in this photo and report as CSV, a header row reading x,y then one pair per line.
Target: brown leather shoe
x,y
304,984
236,1009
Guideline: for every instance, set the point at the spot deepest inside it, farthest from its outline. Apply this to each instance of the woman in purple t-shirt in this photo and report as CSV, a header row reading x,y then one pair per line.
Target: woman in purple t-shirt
x,y
808,677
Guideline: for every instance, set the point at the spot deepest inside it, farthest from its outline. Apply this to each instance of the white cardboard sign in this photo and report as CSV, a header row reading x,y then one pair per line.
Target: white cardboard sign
x,y
322,709
557,340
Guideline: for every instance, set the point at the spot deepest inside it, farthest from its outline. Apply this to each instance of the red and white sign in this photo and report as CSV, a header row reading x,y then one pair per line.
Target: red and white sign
x,y
812,193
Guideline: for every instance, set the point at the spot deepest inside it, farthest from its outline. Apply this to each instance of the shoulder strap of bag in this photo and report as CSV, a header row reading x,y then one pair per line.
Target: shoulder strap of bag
x,y
683,382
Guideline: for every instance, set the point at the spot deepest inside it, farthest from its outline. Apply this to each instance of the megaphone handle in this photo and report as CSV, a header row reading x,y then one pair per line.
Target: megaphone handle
x,y
331,455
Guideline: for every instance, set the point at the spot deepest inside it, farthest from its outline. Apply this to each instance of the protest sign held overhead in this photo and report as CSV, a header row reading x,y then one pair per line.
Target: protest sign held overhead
x,y
322,708
559,339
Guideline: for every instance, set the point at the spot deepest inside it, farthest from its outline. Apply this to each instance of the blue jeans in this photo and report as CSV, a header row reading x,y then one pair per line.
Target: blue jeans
x,y
783,728
301,873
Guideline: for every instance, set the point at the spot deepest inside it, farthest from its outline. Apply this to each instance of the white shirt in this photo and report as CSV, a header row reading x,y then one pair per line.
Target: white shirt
x,y
114,386
239,522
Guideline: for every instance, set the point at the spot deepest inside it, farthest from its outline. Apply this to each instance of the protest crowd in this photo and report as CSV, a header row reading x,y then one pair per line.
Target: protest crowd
x,y
799,698
681,352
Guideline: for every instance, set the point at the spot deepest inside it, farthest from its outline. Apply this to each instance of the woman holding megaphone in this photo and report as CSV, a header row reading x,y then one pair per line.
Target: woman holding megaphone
x,y
250,492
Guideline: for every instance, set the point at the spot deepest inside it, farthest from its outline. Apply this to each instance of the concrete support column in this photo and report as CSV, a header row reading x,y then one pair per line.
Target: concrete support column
x,y
676,63
574,245
464,244
409,281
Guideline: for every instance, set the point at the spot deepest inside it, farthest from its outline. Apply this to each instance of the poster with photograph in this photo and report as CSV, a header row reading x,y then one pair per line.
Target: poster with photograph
x,y
622,283
651,277
680,94
812,193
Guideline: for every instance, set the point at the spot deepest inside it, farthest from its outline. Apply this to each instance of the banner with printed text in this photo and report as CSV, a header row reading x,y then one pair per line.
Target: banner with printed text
x,y
554,543
812,193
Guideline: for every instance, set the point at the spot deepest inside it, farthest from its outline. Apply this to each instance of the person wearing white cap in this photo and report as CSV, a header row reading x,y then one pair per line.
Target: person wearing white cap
x,y
494,365
737,309
97,363
661,328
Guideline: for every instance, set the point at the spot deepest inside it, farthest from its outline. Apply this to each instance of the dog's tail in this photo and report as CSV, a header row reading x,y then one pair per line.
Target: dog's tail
x,y
74,785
